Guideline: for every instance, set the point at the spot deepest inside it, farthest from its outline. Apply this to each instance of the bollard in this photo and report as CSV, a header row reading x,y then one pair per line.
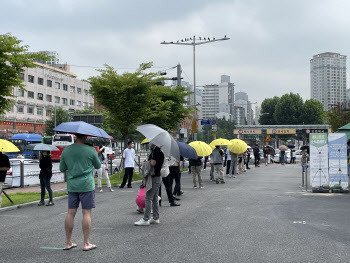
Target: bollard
x,y
303,174
306,166
22,174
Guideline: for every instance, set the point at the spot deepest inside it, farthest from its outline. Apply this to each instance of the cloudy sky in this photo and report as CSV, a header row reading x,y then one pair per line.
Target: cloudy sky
x,y
272,41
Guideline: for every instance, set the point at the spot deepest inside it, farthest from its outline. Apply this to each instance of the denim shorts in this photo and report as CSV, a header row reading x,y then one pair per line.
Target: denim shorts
x,y
87,200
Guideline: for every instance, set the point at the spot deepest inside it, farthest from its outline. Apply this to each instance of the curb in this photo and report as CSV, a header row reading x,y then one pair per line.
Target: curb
x,y
14,207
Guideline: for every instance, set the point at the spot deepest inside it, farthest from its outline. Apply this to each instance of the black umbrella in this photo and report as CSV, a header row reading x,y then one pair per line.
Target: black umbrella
x,y
291,146
305,147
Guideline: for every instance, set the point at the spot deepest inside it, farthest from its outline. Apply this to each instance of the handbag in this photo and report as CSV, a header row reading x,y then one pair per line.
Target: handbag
x,y
164,172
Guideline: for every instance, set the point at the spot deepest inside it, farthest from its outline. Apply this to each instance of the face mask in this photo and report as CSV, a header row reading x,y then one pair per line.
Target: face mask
x,y
132,145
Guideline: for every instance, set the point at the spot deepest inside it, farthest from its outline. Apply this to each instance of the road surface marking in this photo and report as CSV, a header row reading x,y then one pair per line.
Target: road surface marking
x,y
13,216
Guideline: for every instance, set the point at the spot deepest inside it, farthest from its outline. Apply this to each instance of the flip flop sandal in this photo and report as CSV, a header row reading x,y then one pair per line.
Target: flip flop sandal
x,y
91,248
73,246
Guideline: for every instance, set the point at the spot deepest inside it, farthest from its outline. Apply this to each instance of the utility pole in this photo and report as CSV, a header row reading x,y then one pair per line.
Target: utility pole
x,y
192,42
178,75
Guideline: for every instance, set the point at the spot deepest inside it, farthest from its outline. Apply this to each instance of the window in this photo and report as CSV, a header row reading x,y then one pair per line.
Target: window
x,y
84,104
72,89
21,75
39,111
30,78
86,91
48,113
57,85
71,102
79,90
57,99
78,103
49,98
40,81
64,101
40,96
49,83
20,109
20,93
65,87
31,94
30,110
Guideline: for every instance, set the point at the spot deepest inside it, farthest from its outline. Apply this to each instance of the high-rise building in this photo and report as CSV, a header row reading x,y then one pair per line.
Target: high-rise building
x,y
241,100
328,79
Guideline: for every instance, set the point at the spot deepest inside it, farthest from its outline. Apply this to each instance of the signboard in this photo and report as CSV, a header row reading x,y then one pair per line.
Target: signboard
x,y
247,131
205,122
213,122
94,119
267,139
214,134
338,168
214,127
318,159
281,131
194,127
308,131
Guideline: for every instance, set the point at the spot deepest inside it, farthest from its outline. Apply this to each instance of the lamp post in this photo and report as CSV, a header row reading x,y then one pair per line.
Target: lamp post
x,y
192,42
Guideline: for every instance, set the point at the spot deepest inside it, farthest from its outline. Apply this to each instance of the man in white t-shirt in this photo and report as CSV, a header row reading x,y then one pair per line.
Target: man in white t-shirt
x,y
129,163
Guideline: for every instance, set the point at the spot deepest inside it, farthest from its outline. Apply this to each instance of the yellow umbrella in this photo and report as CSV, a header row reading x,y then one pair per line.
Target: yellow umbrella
x,y
201,148
237,146
6,146
219,141
145,141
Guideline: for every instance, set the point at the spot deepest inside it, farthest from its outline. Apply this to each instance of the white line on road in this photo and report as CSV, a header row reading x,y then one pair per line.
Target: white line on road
x,y
13,216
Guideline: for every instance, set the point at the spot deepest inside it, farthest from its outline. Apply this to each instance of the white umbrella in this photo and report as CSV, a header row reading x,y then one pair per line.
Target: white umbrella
x,y
161,138
45,147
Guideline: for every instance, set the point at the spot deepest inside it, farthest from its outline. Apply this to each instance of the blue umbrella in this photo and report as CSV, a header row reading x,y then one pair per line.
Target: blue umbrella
x,y
187,151
81,128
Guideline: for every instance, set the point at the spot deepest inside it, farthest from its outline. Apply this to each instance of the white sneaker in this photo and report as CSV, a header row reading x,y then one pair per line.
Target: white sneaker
x,y
201,187
154,221
142,222
195,187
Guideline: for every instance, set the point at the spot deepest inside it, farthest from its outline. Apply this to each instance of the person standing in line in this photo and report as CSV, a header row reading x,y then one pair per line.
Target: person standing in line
x,y
234,164
45,175
265,154
205,162
79,160
151,200
103,171
129,164
197,165
248,159
283,154
216,157
256,155
175,173
4,167
269,152
165,174
227,161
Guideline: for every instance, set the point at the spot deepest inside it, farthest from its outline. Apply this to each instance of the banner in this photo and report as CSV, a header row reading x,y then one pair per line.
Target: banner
x,y
318,159
338,168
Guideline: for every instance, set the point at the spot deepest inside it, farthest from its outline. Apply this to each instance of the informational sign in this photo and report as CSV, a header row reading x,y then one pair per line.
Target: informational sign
x,y
318,159
308,131
205,122
338,168
267,139
214,127
194,127
281,131
214,134
213,122
247,131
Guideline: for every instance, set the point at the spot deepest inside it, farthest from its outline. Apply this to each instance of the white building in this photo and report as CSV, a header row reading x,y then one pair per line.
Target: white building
x,y
257,115
47,87
328,79
241,100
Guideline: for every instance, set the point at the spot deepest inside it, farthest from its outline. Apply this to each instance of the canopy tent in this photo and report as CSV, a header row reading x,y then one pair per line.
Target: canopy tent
x,y
345,129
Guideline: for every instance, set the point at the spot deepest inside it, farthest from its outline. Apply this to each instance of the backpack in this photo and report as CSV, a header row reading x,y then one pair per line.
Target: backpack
x,y
164,172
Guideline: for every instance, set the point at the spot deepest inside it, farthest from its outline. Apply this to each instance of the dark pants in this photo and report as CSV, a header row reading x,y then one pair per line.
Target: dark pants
x,y
247,162
128,172
175,175
228,165
205,162
166,182
45,183
257,160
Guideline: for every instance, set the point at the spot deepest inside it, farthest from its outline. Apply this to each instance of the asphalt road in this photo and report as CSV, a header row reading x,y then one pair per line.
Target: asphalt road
x,y
261,216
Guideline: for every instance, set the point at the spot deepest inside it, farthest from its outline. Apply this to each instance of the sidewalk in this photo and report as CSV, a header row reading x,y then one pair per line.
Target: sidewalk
x,y
56,187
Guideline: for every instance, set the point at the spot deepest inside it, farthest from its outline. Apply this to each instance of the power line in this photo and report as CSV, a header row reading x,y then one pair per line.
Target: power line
x,y
81,66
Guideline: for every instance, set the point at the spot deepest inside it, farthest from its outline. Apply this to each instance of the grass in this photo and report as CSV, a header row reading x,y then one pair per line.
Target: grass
x,y
21,198
115,180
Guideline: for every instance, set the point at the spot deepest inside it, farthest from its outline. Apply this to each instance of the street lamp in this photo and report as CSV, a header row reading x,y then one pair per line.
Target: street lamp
x,y
192,42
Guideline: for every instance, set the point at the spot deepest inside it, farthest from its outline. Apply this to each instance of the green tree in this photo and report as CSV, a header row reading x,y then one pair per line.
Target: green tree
x,y
61,116
337,118
312,112
167,107
268,111
127,97
288,109
13,60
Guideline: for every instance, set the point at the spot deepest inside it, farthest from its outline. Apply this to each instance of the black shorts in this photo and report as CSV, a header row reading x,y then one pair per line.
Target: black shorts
x,y
87,200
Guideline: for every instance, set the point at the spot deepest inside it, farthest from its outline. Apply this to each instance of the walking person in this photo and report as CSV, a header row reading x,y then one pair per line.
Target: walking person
x,y
103,171
79,160
152,184
292,156
256,156
197,165
227,161
4,167
265,154
129,164
216,157
45,175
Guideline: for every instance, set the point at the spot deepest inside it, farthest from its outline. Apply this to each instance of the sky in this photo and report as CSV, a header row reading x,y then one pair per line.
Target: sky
x,y
268,54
